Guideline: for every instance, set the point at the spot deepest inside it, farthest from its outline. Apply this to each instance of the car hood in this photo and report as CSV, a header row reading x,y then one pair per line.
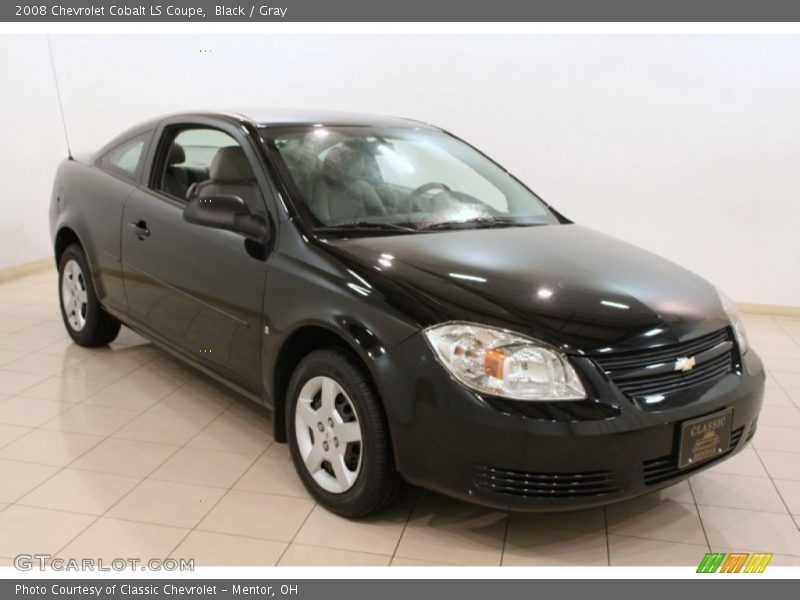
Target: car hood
x,y
567,285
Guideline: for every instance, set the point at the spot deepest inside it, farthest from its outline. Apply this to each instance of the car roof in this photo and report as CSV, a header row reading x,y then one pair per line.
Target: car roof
x,y
274,117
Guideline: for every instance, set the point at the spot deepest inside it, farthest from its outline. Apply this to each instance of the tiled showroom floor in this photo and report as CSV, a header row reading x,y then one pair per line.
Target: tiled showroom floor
x,y
124,452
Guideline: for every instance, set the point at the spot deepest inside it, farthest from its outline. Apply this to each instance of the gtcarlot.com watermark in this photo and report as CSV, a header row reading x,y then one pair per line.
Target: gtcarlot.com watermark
x,y
30,562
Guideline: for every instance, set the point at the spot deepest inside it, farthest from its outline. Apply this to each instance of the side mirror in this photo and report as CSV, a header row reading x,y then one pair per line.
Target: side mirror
x,y
226,212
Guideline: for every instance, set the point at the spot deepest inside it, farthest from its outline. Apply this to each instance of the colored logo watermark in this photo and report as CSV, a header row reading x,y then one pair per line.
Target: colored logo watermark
x,y
734,562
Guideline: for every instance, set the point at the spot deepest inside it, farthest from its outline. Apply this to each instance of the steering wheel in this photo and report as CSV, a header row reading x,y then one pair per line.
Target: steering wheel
x,y
423,189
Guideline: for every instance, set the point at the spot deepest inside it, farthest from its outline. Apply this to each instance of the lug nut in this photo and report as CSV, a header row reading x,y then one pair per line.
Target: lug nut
x,y
320,426
330,421
325,446
336,442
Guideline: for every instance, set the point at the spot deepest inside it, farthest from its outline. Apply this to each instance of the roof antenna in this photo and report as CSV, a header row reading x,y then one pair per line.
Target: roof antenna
x,y
58,96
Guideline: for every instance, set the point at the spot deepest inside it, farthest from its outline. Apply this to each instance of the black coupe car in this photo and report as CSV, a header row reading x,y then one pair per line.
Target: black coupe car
x,y
406,309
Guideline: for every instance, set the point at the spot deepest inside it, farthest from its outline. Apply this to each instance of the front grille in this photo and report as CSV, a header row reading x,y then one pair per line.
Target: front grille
x,y
545,485
652,371
672,382
659,470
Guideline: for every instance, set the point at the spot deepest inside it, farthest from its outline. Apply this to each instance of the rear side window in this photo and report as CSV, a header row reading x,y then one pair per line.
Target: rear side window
x,y
125,160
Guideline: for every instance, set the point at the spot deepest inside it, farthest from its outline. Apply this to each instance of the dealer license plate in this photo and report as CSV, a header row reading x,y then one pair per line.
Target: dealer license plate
x,y
705,438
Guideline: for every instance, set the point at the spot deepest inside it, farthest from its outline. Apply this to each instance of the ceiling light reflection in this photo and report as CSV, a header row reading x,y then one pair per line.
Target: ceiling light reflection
x,y
653,398
358,288
468,277
614,304
361,279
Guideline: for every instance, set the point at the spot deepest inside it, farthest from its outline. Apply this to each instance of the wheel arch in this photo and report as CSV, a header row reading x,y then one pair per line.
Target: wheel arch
x,y
65,237
354,340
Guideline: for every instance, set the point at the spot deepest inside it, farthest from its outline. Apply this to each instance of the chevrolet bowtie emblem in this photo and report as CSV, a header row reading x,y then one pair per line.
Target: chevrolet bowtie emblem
x,y
685,363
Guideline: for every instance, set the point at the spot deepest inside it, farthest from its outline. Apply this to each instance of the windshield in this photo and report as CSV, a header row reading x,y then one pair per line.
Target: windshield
x,y
398,179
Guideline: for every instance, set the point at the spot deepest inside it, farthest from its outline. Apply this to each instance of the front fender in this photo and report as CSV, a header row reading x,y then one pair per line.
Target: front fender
x,y
311,290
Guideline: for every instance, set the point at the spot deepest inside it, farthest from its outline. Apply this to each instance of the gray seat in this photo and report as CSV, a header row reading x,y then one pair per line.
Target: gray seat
x,y
341,193
229,175
176,179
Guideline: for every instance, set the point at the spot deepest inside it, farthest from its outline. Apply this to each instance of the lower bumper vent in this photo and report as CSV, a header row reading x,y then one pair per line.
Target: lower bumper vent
x,y
545,485
659,470
752,431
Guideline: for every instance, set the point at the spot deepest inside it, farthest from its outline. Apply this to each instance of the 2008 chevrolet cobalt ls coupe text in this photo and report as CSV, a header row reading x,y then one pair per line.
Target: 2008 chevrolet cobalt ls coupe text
x,y
405,308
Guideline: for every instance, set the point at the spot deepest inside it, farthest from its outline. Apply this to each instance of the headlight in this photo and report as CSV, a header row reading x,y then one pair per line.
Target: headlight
x,y
736,320
505,364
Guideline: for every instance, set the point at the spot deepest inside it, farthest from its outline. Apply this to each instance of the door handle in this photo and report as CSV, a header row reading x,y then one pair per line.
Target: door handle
x,y
139,229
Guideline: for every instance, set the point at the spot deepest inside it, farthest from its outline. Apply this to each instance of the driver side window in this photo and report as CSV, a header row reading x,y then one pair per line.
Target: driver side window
x,y
203,162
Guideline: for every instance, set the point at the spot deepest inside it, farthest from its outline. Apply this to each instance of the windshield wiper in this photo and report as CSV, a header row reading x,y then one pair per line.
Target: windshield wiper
x,y
476,223
364,226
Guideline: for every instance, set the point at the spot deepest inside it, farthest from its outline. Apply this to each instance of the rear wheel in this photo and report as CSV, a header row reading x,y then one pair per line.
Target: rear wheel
x,y
86,321
338,435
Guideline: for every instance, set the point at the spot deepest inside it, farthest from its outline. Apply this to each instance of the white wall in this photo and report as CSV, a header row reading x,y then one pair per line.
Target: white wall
x,y
31,147
688,146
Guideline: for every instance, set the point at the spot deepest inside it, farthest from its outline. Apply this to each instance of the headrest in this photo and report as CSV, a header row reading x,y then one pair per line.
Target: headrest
x,y
343,162
176,155
230,166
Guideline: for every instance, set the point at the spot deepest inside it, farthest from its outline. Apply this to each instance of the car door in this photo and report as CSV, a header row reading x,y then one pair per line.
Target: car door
x,y
198,289
101,198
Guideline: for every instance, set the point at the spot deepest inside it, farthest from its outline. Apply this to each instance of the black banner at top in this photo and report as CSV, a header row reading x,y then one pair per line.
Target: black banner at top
x,y
402,11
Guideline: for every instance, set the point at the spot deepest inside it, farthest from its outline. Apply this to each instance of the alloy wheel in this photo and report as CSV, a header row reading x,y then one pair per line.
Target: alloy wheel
x,y
74,297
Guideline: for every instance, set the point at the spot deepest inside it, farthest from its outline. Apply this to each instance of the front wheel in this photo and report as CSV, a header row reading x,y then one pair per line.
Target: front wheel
x,y
86,321
338,437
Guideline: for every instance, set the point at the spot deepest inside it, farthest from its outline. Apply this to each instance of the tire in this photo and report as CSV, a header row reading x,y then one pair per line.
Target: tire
x,y
86,321
366,480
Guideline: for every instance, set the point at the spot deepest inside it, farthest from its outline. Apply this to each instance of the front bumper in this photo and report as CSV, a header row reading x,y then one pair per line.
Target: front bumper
x,y
553,458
